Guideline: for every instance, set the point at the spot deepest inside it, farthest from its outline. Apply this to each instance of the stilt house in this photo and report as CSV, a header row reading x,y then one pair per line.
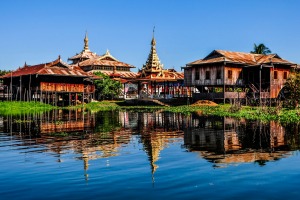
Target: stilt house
x,y
56,83
224,75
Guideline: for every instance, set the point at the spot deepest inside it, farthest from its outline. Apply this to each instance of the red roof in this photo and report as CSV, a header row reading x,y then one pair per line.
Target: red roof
x,y
56,67
100,62
86,54
125,75
165,75
104,60
249,59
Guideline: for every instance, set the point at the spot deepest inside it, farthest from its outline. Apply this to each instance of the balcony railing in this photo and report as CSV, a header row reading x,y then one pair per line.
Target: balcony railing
x,y
219,95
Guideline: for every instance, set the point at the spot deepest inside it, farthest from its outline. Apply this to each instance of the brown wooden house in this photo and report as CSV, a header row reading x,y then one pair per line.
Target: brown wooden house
x,y
56,83
235,75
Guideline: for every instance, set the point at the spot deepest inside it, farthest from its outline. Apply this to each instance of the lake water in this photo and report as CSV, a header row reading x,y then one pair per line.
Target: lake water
x,y
146,155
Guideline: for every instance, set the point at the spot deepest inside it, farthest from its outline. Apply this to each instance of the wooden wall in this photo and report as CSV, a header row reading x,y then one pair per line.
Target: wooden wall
x,y
277,84
198,75
61,87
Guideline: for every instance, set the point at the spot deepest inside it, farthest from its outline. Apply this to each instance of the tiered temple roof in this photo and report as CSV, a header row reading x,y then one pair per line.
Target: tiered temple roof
x,y
84,54
107,64
154,70
105,60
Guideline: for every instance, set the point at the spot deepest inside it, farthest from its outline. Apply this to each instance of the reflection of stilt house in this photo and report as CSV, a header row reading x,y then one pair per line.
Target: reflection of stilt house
x,y
55,82
233,75
3,95
226,140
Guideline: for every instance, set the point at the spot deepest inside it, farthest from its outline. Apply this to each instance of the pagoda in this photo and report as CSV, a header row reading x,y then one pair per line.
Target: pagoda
x,y
85,54
107,64
157,82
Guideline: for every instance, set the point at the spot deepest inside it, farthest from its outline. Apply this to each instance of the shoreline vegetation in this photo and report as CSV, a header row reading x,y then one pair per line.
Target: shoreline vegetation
x,y
266,114
22,107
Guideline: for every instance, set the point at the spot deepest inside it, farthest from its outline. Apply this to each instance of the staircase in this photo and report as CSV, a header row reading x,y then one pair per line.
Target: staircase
x,y
253,88
144,101
158,102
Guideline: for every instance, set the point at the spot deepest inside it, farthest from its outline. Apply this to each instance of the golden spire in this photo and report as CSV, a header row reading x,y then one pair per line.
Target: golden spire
x,y
153,63
153,42
86,42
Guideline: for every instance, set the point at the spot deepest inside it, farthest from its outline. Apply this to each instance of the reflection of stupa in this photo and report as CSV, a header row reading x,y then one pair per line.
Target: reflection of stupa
x,y
156,141
158,130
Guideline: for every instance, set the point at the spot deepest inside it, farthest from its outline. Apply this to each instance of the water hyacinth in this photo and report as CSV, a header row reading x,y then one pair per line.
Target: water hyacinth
x,y
21,107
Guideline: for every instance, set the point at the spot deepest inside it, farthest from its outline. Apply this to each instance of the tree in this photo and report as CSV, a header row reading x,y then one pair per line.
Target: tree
x,y
260,49
292,86
3,72
106,87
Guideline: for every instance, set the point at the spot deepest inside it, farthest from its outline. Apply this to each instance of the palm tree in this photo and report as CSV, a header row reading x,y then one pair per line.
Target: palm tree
x,y
260,49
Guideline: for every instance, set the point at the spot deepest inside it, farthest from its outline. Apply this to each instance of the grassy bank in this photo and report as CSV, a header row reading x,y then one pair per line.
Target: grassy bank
x,y
20,107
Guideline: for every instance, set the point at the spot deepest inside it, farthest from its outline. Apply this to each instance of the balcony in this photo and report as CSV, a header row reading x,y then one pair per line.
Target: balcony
x,y
219,82
240,82
219,95
235,95
207,82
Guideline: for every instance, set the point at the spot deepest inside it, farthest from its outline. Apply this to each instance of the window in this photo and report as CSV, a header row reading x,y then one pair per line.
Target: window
x,y
197,74
218,74
229,74
207,75
275,74
284,75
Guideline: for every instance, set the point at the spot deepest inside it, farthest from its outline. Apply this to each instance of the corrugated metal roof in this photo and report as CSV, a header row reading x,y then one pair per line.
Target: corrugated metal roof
x,y
167,75
87,54
56,67
104,60
125,75
100,62
218,56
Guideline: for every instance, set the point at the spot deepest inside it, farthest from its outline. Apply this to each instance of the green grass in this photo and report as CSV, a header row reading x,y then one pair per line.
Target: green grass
x,y
21,107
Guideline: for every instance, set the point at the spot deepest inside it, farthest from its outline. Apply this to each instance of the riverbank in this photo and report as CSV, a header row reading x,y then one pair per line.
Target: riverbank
x,y
20,107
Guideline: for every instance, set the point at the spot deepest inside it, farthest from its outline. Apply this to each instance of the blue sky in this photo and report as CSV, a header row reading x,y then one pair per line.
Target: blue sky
x,y
37,31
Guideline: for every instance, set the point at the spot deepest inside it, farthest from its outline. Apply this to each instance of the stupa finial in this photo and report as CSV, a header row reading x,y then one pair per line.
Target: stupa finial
x,y
86,41
153,42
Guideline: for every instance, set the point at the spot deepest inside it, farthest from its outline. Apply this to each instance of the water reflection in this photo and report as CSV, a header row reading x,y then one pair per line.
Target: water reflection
x,y
223,140
158,130
219,140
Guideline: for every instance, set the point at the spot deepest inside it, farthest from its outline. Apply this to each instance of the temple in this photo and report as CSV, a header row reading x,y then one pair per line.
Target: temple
x,y
85,54
156,82
107,64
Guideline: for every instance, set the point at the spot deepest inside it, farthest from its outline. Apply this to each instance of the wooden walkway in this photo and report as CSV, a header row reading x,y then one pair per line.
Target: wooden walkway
x,y
145,101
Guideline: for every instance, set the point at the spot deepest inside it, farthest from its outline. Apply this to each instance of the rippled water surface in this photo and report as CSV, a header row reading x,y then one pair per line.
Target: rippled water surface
x,y
139,155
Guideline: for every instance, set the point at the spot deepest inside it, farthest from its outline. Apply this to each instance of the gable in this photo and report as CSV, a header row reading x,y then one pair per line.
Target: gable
x,y
107,58
213,54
